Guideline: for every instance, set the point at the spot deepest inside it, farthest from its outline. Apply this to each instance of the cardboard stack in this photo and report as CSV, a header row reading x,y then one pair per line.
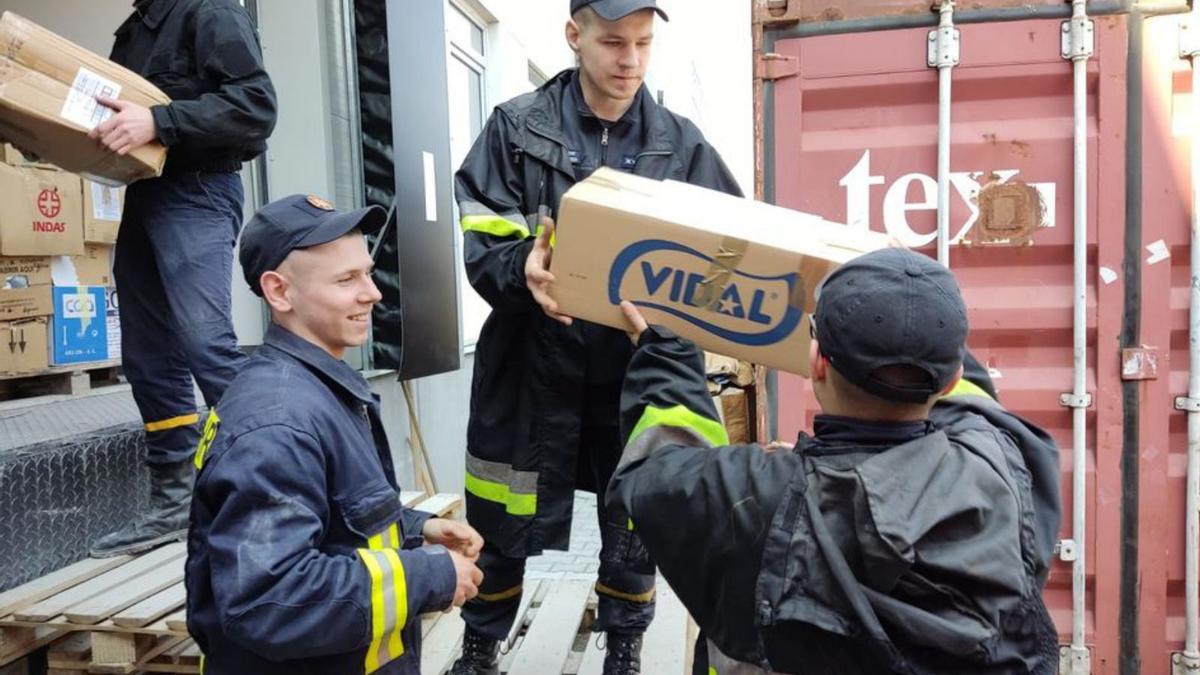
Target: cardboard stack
x,y
48,90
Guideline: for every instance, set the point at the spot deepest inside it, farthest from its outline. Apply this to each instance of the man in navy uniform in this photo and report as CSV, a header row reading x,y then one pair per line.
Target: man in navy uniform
x,y
301,558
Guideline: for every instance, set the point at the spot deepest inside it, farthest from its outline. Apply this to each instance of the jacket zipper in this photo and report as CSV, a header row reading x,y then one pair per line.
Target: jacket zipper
x,y
604,147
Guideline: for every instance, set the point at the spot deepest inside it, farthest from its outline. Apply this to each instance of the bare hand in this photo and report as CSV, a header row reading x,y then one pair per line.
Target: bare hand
x,y
458,537
637,322
776,446
537,273
468,579
129,129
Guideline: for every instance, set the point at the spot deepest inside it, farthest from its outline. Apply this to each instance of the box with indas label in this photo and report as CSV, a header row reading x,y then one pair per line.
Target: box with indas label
x,y
41,212
48,103
734,275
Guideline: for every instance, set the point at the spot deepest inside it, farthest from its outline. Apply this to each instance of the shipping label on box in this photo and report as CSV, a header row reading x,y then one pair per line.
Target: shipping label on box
x,y
102,206
112,306
79,326
734,275
41,212
25,303
93,268
23,272
23,347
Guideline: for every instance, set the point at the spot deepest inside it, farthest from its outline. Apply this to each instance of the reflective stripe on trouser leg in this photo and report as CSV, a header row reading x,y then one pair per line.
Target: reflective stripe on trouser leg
x,y
494,610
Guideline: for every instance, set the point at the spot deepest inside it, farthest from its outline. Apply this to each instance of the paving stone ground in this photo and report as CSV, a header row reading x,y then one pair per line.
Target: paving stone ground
x,y
583,558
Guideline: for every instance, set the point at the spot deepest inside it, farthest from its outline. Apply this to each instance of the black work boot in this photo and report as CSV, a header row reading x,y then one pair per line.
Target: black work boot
x,y
478,655
624,654
165,521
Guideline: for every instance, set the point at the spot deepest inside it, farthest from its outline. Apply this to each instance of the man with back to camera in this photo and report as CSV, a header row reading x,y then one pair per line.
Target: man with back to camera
x,y
912,533
174,255
301,558
545,392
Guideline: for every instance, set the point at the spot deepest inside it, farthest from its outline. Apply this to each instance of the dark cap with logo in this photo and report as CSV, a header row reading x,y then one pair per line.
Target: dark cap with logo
x,y
615,10
298,221
892,307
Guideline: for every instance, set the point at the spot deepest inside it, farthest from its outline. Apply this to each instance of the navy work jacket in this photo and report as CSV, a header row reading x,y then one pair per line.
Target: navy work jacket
x,y
301,558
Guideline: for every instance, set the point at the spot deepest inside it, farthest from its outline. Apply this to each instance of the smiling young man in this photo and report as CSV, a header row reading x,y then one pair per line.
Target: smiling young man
x,y
301,558
544,400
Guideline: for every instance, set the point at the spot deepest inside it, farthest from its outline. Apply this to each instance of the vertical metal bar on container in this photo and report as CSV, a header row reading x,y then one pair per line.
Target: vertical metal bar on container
x,y
1079,48
1189,48
946,57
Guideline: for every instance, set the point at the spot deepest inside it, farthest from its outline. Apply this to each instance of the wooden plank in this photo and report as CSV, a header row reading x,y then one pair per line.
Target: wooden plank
x,y
553,631
130,592
531,590
146,611
152,651
16,643
665,647
443,644
527,610
411,499
74,647
442,505
41,588
53,606
178,621
593,659
166,623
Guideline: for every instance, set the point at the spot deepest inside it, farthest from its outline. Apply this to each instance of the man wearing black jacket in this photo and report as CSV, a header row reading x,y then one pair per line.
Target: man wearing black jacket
x,y
544,398
174,253
910,534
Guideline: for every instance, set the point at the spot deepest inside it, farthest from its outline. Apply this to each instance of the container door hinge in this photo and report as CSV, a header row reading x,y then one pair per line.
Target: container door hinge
x,y
1187,404
1182,664
1072,661
1070,400
1078,38
1066,550
1189,40
772,66
944,47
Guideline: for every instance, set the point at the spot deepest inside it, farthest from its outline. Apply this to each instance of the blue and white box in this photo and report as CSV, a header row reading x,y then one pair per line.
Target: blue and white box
x,y
79,326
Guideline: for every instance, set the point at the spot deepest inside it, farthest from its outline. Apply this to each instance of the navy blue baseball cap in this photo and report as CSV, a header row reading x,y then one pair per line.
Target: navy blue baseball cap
x,y
615,10
892,307
297,221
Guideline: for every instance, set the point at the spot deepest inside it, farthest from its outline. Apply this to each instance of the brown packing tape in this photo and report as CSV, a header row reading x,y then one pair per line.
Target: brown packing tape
x,y
724,263
811,272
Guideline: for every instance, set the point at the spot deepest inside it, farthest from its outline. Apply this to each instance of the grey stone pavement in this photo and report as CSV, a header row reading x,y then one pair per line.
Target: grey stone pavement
x,y
583,559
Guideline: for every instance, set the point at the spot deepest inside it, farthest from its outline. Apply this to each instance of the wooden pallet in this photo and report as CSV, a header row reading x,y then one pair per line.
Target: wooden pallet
x,y
124,614
70,380
552,634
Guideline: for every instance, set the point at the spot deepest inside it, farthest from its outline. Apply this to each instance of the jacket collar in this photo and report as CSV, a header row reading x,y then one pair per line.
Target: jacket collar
x,y
152,12
632,116
833,434
332,370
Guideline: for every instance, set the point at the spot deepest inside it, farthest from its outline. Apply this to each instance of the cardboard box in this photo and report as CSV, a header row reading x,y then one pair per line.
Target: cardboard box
x,y
734,275
79,326
25,303
13,157
112,306
41,212
23,347
734,410
102,205
48,89
93,268
24,272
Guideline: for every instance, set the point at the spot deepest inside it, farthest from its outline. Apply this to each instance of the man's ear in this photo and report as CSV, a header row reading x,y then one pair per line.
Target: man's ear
x,y
818,365
572,32
953,383
275,291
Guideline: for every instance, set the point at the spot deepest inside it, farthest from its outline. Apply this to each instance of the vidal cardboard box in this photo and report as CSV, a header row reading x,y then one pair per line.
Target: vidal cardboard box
x,y
48,92
734,275
23,346
79,326
41,212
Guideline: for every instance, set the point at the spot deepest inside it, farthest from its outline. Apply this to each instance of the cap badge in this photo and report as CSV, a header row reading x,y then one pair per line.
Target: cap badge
x,y
322,204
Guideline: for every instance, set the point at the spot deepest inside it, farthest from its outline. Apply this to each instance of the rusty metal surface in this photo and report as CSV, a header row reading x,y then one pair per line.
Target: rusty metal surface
x,y
811,11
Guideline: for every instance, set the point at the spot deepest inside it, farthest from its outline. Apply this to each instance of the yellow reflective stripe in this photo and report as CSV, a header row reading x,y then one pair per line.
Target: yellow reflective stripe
x,y
502,595
400,598
679,416
553,237
207,437
514,503
494,225
631,597
173,422
378,618
629,524
967,388
389,538
712,671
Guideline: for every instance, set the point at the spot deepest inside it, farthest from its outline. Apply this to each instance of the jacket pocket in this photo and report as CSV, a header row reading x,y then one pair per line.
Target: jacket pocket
x,y
173,74
371,512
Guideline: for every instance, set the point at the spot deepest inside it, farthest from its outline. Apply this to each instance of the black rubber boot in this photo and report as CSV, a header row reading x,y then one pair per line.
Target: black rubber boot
x,y
479,655
165,521
624,654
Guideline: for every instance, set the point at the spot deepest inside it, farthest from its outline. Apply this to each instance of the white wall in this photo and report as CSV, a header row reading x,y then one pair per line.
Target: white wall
x,y
88,23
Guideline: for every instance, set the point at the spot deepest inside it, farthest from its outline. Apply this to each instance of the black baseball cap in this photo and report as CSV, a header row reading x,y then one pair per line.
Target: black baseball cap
x,y
614,10
892,307
297,221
